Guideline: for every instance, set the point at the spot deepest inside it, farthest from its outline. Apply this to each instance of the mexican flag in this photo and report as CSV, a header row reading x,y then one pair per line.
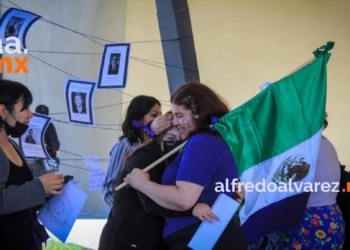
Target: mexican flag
x,y
275,138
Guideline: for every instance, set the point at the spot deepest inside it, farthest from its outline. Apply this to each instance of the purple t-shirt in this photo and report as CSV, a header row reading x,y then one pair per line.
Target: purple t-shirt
x,y
205,160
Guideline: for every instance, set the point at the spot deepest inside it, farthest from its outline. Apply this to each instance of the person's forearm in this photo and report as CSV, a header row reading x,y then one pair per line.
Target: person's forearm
x,y
170,197
150,206
16,198
107,194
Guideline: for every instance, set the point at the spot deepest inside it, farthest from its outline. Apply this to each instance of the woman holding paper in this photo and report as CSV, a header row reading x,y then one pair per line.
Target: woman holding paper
x,y
19,193
192,176
136,220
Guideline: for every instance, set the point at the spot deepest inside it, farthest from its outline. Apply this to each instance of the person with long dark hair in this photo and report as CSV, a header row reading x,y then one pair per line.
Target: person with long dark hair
x,y
204,161
135,220
142,110
20,194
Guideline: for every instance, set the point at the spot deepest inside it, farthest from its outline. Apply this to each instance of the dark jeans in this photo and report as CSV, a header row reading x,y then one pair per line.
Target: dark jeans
x,y
232,238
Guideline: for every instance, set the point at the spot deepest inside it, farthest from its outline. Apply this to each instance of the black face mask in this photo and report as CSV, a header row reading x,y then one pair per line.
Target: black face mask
x,y
17,131
169,146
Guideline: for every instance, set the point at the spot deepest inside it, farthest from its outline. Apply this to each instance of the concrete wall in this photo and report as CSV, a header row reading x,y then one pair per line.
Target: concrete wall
x,y
104,19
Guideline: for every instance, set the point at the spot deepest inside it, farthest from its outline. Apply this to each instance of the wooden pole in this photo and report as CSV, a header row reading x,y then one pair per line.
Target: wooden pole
x,y
154,163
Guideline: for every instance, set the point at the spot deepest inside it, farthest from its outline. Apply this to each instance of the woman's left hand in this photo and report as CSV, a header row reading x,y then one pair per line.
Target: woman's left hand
x,y
203,212
137,178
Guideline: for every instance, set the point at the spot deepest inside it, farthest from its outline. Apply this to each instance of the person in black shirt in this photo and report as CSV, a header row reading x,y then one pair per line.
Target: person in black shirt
x,y
79,103
52,143
50,137
135,220
20,194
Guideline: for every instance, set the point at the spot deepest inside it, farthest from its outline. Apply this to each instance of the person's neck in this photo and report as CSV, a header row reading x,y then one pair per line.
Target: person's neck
x,y
146,137
4,138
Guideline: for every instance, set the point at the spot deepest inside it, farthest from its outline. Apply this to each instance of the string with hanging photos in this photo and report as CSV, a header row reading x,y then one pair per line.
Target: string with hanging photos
x,y
146,61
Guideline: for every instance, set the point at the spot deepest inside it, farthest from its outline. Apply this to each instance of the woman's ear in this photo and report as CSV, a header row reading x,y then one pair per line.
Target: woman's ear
x,y
3,111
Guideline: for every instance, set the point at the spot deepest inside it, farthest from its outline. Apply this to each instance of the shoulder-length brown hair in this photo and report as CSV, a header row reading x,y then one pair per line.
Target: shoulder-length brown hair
x,y
206,101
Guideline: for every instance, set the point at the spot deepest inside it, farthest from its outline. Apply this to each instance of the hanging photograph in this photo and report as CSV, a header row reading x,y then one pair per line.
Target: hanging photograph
x,y
79,95
16,23
114,66
32,142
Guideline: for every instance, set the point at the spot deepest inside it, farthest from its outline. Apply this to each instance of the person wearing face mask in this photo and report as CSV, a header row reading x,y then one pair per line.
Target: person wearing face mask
x,y
135,220
20,194
204,161
142,113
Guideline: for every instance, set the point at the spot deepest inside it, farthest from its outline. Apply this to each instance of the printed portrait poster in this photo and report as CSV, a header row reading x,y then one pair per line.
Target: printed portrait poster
x,y
114,66
32,141
16,23
79,96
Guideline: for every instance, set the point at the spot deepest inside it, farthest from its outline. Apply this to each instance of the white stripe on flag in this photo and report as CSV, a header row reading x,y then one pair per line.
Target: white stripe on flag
x,y
254,201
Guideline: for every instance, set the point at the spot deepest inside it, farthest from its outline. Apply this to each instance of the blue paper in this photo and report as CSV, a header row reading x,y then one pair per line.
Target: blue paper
x,y
208,233
59,214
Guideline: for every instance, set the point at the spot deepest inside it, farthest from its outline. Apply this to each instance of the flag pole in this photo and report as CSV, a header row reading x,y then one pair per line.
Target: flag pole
x,y
302,66
317,53
154,163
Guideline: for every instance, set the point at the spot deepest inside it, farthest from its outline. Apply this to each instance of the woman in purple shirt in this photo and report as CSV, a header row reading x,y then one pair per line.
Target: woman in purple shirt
x,y
192,176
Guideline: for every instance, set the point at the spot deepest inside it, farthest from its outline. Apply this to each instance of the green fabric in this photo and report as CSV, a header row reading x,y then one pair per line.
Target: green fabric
x,y
323,49
283,115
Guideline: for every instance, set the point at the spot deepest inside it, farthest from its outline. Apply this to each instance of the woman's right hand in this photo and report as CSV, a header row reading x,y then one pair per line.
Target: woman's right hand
x,y
52,182
161,123
203,212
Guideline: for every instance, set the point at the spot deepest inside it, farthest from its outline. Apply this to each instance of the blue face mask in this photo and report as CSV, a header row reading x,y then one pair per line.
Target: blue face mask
x,y
169,146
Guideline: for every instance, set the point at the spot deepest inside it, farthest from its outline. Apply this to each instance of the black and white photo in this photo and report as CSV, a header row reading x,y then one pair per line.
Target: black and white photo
x,y
32,141
16,23
79,96
114,66
79,103
13,26
29,138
